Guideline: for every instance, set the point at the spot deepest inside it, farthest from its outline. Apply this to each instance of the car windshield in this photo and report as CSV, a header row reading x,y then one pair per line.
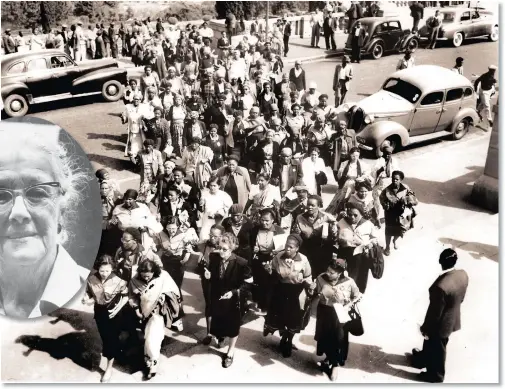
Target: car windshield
x,y
448,17
409,92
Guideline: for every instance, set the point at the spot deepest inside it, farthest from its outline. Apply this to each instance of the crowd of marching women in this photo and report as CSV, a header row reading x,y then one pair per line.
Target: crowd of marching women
x,y
233,152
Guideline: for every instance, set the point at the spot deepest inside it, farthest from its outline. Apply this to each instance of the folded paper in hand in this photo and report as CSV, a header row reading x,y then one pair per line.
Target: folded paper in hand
x,y
342,313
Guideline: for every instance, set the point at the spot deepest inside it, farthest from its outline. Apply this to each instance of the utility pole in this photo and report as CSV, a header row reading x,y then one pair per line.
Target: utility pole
x,y
267,17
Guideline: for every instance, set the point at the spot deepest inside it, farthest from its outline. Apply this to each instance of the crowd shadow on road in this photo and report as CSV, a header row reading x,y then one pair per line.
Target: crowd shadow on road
x,y
110,162
476,249
434,192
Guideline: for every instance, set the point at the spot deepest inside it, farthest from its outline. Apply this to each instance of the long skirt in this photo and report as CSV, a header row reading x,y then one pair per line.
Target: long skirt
x,y
332,337
109,330
177,130
319,255
285,312
357,266
262,283
172,264
393,226
376,192
154,334
206,296
226,317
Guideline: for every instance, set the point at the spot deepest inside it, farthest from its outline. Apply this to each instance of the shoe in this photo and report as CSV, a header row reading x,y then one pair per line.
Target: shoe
x,y
287,349
227,361
417,359
333,373
395,245
106,376
387,252
426,377
341,362
178,326
266,331
150,376
207,340
324,365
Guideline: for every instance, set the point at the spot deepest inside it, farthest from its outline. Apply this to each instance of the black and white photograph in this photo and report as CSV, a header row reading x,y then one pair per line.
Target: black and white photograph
x,y
249,192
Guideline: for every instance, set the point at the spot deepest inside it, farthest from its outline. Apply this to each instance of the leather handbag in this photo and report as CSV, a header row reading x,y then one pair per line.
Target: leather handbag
x,y
355,325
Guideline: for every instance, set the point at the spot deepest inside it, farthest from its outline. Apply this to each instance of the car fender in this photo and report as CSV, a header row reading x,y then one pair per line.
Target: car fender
x,y
102,75
18,87
406,39
372,42
377,132
465,112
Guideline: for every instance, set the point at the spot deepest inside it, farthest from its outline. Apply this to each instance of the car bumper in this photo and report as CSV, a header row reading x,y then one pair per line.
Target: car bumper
x,y
365,147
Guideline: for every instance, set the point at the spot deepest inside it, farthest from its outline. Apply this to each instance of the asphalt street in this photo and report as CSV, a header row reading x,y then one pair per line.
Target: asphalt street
x,y
66,347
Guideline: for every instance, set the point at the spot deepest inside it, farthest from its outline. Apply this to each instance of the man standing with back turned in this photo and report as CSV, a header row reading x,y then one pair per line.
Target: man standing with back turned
x,y
442,318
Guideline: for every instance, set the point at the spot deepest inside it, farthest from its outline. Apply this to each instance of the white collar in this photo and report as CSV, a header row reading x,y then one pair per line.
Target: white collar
x,y
446,271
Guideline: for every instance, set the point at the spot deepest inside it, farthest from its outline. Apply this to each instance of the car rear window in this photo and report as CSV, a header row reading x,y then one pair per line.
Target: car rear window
x,y
448,17
404,89
433,98
37,64
16,68
454,94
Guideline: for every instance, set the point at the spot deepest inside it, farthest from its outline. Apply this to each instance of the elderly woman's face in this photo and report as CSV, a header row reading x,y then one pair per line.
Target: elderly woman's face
x,y
169,166
171,73
29,222
128,242
262,182
266,221
224,250
171,229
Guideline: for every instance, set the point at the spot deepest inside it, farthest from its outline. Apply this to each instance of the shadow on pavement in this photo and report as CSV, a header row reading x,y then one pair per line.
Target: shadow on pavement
x,y
475,249
110,162
110,146
117,138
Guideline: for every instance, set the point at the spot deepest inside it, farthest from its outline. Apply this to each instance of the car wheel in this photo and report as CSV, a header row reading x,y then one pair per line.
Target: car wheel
x,y
16,106
461,129
395,143
457,39
495,33
377,50
112,90
413,45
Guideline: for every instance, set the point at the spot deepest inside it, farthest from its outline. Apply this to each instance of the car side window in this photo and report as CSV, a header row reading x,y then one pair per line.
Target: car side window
x,y
433,98
37,64
468,92
16,68
60,61
381,28
465,16
394,26
454,94
475,15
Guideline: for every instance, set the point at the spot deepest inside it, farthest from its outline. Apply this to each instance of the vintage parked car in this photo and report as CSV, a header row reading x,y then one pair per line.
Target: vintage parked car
x,y
459,24
47,75
415,104
385,35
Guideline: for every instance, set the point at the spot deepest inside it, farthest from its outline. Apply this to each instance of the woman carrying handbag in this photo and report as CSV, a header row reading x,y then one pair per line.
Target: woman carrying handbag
x,y
336,315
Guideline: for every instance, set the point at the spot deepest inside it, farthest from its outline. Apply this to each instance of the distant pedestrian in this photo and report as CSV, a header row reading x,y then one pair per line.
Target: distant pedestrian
x,y
406,62
100,46
9,44
341,80
354,13
487,89
328,33
317,24
443,317
231,25
358,35
286,35
433,25
458,67
297,77
417,13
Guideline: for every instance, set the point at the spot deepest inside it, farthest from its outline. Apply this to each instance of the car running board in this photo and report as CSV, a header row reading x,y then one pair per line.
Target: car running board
x,y
62,96
427,137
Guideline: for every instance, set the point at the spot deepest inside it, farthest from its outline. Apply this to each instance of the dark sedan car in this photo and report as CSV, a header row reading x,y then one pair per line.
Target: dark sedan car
x,y
47,75
385,35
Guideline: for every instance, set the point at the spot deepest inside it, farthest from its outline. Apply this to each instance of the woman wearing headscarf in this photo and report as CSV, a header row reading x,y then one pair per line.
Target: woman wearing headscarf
x,y
263,195
151,165
110,234
398,201
132,253
314,171
349,173
332,336
382,173
171,82
214,205
296,124
267,239
151,102
318,136
158,129
132,116
289,309
229,277
136,215
218,146
241,226
155,298
196,159
267,153
356,237
176,116
194,128
235,181
103,175
148,79
363,197
109,294
316,230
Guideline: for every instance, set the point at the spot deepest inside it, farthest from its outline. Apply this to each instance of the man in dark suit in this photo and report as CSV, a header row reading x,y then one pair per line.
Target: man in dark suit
x,y
218,114
8,42
287,172
286,34
417,13
358,34
442,318
328,32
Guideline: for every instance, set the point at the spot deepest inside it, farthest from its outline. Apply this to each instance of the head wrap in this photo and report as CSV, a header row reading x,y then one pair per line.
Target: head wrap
x,y
312,85
194,115
100,173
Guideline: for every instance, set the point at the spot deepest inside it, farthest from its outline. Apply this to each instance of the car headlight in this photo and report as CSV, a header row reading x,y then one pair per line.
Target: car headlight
x,y
369,119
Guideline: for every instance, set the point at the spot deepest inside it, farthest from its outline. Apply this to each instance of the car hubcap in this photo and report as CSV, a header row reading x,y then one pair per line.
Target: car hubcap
x,y
494,34
377,51
413,45
457,39
461,127
16,105
112,90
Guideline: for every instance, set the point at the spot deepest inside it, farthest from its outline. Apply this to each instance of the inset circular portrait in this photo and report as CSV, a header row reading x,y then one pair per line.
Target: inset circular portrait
x,y
50,217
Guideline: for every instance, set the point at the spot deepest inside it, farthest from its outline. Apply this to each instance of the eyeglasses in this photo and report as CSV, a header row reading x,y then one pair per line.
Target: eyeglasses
x,y
35,196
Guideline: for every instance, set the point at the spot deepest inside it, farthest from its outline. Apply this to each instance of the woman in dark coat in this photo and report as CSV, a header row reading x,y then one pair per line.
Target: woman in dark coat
x,y
217,144
240,226
289,310
229,277
332,336
398,201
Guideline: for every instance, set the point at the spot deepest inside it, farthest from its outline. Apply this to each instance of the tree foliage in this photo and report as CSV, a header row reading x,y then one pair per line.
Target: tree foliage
x,y
28,14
